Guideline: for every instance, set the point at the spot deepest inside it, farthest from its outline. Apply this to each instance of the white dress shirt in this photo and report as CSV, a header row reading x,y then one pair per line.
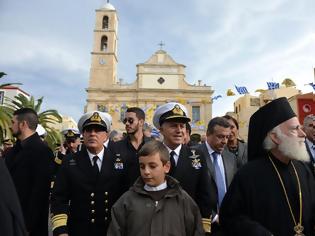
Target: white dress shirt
x,y
99,160
176,150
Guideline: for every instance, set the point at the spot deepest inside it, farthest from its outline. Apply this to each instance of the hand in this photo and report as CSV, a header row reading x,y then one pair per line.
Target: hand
x,y
63,150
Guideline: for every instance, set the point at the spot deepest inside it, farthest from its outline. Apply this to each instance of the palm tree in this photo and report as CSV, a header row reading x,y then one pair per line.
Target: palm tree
x,y
46,118
5,114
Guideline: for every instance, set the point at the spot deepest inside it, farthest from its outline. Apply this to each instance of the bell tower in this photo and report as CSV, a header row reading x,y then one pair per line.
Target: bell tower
x,y
103,72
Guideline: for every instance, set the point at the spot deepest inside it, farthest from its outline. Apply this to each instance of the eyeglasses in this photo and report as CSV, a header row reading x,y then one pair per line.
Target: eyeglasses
x,y
129,120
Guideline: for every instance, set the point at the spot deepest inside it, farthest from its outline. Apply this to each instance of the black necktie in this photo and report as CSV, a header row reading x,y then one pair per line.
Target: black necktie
x,y
173,163
95,166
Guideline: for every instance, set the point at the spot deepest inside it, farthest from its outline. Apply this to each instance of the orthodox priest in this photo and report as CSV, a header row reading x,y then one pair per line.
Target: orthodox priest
x,y
274,194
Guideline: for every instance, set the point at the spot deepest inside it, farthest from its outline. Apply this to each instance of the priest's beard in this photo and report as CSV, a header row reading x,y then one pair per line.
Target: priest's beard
x,y
293,147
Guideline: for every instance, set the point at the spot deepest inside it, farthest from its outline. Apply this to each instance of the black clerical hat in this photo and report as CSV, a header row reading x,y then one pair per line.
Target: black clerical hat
x,y
262,121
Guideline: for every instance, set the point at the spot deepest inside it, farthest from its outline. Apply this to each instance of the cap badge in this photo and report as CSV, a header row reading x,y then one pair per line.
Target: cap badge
x,y
177,110
70,133
96,117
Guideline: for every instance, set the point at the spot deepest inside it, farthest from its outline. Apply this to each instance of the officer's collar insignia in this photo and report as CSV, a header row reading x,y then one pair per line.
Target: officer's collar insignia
x,y
196,163
177,110
96,117
193,156
70,133
118,165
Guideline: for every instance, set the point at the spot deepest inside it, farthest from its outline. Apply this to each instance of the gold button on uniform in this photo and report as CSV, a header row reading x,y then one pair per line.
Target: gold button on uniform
x,y
106,218
106,201
93,211
92,202
92,194
93,220
106,193
106,210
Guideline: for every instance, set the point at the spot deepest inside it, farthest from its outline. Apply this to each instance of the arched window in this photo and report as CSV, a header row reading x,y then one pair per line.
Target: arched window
x,y
105,23
104,43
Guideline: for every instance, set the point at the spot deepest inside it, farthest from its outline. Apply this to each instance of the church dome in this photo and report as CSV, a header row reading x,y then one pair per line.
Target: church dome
x,y
108,6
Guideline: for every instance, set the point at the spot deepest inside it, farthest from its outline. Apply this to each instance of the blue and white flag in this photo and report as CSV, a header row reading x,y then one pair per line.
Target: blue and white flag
x,y
241,90
313,85
273,85
216,97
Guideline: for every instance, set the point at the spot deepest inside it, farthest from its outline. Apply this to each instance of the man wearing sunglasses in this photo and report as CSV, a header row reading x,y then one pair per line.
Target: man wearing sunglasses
x,y
128,148
188,165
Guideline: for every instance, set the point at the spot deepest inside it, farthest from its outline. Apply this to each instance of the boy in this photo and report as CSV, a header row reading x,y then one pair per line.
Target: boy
x,y
155,204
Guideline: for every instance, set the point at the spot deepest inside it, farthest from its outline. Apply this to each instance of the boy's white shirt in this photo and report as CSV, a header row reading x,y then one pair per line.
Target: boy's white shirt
x,y
156,188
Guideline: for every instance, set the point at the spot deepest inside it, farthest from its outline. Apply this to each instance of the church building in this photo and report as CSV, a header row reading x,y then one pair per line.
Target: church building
x,y
159,80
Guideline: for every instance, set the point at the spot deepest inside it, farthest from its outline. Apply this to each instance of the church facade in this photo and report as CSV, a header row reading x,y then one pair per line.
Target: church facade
x,y
159,80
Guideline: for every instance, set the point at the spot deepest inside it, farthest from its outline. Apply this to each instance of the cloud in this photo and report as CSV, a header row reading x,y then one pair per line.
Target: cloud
x,y
47,46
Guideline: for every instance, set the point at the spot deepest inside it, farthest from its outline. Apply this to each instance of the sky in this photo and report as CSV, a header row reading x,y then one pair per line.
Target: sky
x,y
46,45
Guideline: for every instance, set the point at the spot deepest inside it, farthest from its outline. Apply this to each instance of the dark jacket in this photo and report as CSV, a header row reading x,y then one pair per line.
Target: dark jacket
x,y
229,162
255,203
192,173
137,214
30,165
240,155
12,222
84,199
311,163
125,150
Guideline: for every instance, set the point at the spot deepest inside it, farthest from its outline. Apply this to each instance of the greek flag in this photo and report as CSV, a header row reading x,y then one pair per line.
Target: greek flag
x,y
273,85
216,97
241,90
313,85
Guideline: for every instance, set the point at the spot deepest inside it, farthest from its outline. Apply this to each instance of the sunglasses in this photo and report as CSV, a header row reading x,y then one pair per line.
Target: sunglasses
x,y
129,120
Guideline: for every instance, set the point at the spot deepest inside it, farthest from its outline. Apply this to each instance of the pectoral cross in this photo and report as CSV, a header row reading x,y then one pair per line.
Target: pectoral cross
x,y
298,229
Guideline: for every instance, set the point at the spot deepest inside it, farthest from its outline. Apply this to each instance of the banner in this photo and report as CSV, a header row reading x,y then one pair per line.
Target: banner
x,y
305,107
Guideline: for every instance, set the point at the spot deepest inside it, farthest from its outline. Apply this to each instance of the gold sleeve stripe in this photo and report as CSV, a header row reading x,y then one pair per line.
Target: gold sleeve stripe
x,y
206,223
59,220
58,161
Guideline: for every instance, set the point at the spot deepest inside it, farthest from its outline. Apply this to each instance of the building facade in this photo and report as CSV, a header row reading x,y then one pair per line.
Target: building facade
x,y
247,105
159,80
8,93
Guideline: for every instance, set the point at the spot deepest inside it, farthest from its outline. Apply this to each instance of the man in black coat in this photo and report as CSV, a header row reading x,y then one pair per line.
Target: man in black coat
x,y
30,165
274,193
188,165
11,223
128,148
88,183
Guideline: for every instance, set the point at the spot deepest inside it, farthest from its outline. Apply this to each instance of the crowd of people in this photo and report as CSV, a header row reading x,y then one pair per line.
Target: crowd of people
x,y
161,180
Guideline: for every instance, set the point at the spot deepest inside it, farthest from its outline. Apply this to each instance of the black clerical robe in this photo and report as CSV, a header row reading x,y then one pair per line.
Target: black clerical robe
x,y
255,203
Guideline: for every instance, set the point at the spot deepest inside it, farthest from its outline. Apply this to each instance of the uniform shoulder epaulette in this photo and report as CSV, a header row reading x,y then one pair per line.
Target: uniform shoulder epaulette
x,y
58,160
